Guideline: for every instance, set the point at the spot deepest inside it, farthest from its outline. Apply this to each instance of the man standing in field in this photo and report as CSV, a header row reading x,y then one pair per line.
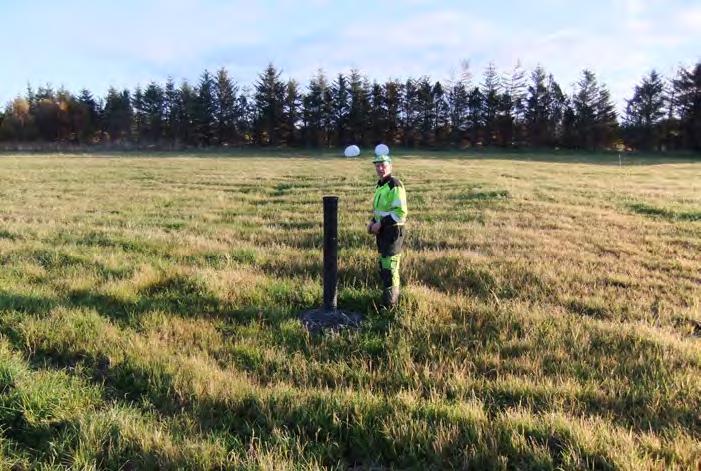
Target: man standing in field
x,y
389,215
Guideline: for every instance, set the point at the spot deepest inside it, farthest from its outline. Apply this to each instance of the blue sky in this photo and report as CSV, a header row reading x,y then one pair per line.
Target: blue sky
x,y
96,44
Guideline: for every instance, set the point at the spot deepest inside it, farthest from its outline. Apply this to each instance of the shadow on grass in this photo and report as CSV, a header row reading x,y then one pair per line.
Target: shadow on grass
x,y
167,298
56,260
178,295
662,213
26,303
452,275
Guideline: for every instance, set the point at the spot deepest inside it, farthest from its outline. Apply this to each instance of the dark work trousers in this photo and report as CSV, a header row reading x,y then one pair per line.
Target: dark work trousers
x,y
389,245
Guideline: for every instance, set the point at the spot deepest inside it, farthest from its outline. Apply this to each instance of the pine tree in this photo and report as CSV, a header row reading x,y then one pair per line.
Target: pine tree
x,y
153,110
544,110
292,111
558,105
205,112
185,110
606,128
427,112
585,110
458,111
340,95
170,112
491,90
410,114
570,132
377,117
225,108
313,111
644,113
537,113
245,111
504,135
31,96
359,106
687,89
393,98
475,116
86,117
139,120
512,106
670,124
327,117
594,113
269,98
441,113
117,115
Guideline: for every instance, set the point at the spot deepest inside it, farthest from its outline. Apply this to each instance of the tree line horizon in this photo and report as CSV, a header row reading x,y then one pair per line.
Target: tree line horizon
x,y
503,110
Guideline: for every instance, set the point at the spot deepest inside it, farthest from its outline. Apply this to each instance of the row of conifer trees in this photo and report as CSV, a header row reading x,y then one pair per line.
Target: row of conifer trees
x,y
515,109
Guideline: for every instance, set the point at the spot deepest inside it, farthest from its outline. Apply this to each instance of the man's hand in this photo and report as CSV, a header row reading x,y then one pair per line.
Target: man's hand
x,y
375,228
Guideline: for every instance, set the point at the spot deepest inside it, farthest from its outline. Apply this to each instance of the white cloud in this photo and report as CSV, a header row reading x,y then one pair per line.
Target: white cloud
x,y
690,20
182,37
422,44
172,31
433,44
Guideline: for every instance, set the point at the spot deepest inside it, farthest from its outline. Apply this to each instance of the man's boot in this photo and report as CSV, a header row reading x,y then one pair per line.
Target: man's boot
x,y
390,297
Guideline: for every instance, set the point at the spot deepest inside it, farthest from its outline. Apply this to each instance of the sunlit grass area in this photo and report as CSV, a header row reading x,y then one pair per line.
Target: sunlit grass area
x,y
551,314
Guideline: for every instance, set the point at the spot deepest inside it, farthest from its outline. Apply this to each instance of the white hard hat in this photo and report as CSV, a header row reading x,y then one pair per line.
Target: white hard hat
x,y
381,149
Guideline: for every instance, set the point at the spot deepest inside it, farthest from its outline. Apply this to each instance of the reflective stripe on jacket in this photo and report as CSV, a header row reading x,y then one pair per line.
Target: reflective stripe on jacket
x,y
389,203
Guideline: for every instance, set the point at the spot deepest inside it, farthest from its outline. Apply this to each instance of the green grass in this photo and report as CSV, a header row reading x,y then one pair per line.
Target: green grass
x,y
148,314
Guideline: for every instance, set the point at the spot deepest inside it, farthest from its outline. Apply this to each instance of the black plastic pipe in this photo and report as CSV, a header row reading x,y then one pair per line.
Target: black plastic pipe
x,y
330,253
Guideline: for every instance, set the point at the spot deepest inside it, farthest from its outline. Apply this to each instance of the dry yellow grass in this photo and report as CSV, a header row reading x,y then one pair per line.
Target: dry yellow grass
x,y
549,319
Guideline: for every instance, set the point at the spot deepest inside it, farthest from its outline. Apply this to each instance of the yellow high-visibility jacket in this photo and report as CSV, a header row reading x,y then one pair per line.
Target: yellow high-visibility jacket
x,y
389,204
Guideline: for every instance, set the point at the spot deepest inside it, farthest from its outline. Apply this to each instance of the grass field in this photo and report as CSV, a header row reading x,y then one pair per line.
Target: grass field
x,y
551,314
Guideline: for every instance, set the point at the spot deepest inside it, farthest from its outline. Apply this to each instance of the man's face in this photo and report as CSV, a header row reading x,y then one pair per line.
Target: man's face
x,y
383,169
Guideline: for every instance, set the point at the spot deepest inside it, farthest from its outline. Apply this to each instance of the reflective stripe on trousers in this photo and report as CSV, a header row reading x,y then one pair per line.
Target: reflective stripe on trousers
x,y
389,271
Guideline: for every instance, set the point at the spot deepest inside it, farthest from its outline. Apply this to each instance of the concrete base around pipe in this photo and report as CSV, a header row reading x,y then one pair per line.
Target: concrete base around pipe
x,y
317,320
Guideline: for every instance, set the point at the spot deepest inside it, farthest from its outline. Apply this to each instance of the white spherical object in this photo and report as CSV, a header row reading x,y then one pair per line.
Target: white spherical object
x,y
381,149
352,151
